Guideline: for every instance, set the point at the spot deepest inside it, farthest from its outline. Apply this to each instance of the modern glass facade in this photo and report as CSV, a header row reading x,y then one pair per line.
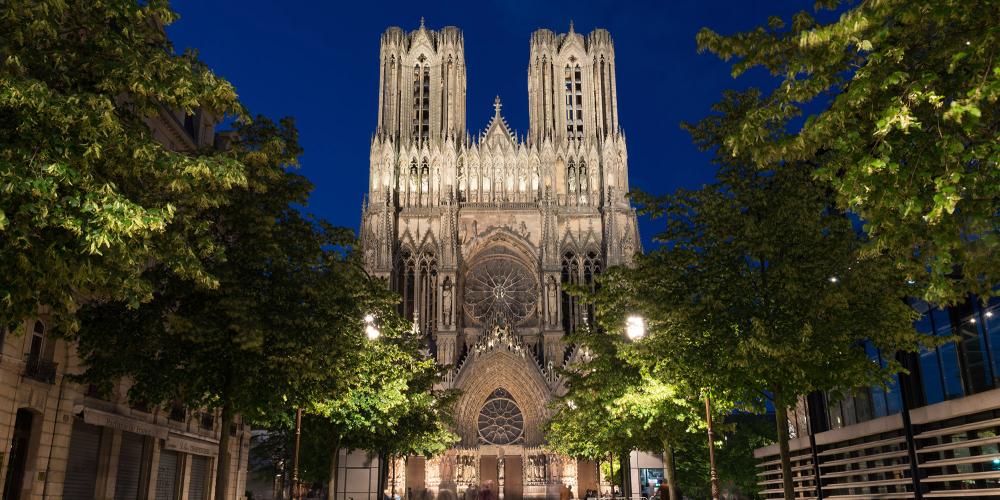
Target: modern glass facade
x,y
945,445
968,365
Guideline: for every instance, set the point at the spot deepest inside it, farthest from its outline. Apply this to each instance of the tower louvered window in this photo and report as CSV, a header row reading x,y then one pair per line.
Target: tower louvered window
x,y
421,100
574,102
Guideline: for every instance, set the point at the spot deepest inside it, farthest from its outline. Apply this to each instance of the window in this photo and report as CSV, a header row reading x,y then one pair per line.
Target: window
x,y
570,307
574,102
177,412
591,268
500,421
39,365
207,420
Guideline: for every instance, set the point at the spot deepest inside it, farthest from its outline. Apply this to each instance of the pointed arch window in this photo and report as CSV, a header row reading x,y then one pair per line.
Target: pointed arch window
x,y
570,306
573,77
421,99
592,267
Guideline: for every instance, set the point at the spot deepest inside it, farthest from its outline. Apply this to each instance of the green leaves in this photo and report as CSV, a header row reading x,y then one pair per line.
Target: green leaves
x,y
911,83
91,195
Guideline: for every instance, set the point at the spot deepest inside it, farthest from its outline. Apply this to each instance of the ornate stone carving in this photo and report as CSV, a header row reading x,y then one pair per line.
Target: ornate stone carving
x,y
500,420
499,286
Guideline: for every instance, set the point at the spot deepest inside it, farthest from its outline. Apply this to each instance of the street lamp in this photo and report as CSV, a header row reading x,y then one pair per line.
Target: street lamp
x,y
635,329
371,331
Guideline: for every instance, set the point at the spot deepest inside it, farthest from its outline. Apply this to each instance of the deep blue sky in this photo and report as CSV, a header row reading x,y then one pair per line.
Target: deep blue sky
x,y
318,61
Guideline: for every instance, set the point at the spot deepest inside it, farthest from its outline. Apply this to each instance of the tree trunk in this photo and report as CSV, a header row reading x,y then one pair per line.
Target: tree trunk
x,y
669,471
222,463
334,461
781,419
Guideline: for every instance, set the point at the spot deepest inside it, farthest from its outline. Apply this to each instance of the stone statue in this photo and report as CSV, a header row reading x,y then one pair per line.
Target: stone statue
x,y
553,293
446,301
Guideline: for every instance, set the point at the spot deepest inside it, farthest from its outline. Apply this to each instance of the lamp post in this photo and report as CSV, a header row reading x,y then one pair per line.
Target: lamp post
x,y
295,456
635,329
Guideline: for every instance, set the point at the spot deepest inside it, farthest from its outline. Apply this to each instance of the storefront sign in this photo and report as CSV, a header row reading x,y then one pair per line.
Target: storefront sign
x,y
176,442
122,423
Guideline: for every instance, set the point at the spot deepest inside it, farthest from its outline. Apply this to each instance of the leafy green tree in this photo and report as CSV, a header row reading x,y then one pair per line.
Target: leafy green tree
x,y
760,289
901,97
272,332
386,400
614,403
90,197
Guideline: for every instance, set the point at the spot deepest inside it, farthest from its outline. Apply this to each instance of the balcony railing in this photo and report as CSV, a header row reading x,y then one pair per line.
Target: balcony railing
x,y
41,370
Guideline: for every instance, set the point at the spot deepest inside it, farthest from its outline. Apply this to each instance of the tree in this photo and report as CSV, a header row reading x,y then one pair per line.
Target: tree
x,y
289,300
760,289
614,403
385,401
903,123
90,197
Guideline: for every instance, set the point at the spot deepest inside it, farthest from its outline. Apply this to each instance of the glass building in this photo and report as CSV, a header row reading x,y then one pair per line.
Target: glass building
x,y
933,433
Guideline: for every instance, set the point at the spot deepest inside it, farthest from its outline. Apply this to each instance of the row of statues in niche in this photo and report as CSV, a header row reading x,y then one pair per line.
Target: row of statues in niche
x,y
463,468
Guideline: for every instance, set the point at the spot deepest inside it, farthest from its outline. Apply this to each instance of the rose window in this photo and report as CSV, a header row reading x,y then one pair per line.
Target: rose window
x,y
500,420
500,289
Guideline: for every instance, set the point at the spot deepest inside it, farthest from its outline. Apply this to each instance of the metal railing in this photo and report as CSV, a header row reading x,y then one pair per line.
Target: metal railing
x,y
40,369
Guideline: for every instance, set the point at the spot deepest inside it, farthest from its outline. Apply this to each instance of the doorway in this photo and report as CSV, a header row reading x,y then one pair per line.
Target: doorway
x,y
14,481
513,479
488,472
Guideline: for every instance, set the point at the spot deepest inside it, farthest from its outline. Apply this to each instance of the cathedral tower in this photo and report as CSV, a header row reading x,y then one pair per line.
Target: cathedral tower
x,y
481,234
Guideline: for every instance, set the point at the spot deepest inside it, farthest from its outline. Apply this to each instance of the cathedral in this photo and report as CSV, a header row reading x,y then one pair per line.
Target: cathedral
x,y
481,233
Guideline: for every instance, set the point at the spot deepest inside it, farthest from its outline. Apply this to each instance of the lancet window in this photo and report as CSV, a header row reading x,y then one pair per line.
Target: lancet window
x,y
578,270
574,102
421,100
570,306
417,281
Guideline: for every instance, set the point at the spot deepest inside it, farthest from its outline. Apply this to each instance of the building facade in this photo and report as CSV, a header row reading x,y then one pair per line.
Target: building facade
x,y
935,431
64,440
481,235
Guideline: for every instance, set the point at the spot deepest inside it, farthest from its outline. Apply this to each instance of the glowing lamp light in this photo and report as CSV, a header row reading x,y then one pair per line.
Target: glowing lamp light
x,y
635,327
972,320
370,330
989,314
833,279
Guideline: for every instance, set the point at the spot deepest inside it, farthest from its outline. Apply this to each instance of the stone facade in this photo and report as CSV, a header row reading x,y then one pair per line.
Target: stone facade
x,y
62,440
480,234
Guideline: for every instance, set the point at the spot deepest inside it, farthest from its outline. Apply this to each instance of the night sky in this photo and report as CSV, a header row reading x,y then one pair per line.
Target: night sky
x,y
318,62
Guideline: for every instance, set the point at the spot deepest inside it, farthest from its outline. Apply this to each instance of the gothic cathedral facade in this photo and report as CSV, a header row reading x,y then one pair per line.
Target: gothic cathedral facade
x,y
480,234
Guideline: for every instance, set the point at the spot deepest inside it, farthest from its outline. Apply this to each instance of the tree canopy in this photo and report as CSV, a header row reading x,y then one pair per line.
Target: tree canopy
x,y
760,289
90,196
902,123
277,326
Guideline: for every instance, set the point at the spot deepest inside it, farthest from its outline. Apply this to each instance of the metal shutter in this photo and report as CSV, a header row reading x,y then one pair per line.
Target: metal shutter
x,y
166,476
129,466
199,478
81,468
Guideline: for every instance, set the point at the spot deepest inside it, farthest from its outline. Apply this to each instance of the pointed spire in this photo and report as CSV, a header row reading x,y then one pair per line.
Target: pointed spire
x,y
497,105
571,26
422,22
